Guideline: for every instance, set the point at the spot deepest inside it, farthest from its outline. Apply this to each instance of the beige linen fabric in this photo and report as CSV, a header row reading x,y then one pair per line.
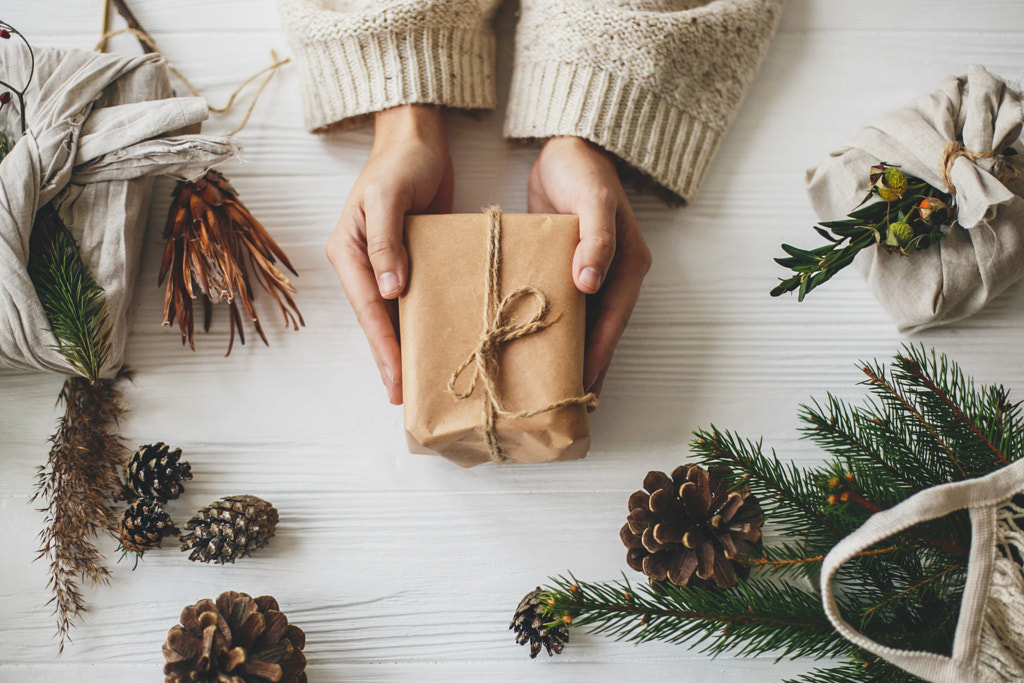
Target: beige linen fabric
x,y
656,82
94,122
983,253
990,629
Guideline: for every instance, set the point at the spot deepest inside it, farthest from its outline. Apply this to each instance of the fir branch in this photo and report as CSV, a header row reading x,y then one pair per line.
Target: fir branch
x,y
889,391
790,498
75,305
78,485
925,424
753,619
954,392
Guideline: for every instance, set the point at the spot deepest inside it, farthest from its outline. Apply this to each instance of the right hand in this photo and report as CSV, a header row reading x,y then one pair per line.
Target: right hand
x,y
409,171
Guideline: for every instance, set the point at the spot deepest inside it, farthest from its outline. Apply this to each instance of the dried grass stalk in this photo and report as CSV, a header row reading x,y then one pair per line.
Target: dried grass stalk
x,y
213,243
79,485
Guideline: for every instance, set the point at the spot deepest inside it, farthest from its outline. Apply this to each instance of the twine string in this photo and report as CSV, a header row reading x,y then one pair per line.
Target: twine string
x,y
1003,172
147,41
498,330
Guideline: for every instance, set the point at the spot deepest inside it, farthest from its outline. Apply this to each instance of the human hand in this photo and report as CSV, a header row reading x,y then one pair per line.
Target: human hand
x,y
409,171
572,175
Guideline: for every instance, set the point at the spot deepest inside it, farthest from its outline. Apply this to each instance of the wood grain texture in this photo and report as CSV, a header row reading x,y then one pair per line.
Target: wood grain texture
x,y
406,568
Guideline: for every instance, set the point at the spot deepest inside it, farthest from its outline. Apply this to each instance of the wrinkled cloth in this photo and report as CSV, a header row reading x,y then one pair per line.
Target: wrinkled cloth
x,y
93,142
983,252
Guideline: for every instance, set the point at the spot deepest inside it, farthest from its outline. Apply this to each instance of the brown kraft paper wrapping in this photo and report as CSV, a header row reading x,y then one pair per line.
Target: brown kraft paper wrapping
x,y
441,318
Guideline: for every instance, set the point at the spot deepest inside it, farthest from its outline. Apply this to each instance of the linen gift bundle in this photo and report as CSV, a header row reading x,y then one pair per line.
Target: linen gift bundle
x,y
89,131
98,128
964,139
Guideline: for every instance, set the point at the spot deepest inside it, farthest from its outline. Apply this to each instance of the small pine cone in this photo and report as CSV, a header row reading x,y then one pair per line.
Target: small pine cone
x,y
229,528
528,624
237,639
144,525
691,529
154,472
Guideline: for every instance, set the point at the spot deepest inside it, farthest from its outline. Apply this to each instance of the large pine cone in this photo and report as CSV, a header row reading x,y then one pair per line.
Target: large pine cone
x,y
529,626
144,525
691,529
237,639
154,472
229,528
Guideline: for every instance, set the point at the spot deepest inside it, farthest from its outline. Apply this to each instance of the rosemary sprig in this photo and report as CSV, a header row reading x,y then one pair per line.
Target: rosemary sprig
x,y
908,216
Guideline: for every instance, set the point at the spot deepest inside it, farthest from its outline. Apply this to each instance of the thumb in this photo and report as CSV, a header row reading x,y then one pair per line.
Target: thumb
x,y
596,248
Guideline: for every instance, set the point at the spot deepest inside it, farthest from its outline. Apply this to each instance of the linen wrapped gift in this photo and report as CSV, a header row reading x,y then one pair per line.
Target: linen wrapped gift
x,y
96,127
960,139
492,331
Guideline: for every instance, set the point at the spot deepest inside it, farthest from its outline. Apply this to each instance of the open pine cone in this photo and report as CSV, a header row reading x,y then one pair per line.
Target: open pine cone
x,y
212,244
144,525
154,472
237,639
691,529
529,625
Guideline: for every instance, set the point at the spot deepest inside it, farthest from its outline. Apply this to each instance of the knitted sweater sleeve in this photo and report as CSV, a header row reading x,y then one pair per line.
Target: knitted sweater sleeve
x,y
362,56
655,82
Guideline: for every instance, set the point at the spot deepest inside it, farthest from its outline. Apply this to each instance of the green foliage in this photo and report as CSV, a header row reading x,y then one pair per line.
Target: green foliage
x,y
75,305
924,424
867,226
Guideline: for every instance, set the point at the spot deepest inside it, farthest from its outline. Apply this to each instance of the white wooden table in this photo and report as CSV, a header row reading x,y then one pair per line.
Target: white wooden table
x,y
404,567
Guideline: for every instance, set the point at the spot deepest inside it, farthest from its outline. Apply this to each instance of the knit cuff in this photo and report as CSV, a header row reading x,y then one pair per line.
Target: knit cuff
x,y
348,76
645,130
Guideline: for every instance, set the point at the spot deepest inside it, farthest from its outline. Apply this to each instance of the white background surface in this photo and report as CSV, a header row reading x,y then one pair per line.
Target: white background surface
x,y
405,567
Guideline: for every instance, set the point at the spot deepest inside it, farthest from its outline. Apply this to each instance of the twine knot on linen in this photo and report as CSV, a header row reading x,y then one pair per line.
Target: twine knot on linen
x,y
956,149
498,330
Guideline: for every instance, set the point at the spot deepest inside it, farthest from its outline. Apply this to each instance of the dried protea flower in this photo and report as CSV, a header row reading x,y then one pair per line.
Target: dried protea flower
x,y
212,243
888,182
934,211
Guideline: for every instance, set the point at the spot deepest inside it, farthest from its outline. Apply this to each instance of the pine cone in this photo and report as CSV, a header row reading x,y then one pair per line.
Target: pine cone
x,y
154,472
238,639
691,529
144,525
229,528
528,624
213,243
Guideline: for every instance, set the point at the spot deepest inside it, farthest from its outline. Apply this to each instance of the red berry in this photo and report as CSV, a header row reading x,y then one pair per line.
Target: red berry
x,y
5,98
4,33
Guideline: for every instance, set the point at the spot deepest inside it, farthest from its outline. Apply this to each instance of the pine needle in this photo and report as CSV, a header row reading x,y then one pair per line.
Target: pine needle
x,y
75,305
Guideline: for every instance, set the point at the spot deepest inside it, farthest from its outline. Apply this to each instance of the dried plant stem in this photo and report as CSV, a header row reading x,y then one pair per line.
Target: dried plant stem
x,y
79,484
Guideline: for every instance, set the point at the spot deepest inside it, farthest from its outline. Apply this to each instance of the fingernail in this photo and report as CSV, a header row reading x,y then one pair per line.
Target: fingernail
x,y
390,374
388,283
590,278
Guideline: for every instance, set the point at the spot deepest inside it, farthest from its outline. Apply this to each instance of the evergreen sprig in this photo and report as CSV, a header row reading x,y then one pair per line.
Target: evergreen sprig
x,y
925,423
75,305
908,217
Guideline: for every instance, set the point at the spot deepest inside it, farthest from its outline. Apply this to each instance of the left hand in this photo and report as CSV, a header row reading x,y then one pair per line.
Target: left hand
x,y
573,176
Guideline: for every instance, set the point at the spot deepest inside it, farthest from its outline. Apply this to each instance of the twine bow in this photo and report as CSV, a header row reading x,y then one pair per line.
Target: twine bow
x,y
499,330
956,149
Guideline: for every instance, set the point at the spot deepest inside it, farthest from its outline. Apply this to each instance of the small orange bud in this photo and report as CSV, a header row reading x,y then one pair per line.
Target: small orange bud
x,y
833,482
832,499
844,496
567,619
574,588
849,476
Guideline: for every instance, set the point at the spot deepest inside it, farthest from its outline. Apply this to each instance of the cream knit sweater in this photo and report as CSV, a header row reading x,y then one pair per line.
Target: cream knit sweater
x,y
655,82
